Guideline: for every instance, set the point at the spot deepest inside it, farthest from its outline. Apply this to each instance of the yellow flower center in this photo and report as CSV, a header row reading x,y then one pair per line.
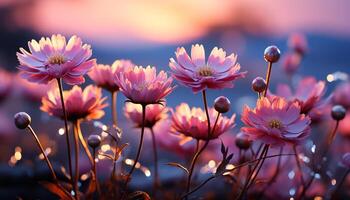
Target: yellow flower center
x,y
57,59
205,71
275,124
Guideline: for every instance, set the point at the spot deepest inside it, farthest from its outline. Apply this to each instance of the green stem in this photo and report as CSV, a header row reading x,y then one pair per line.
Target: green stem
x,y
76,145
60,87
140,143
155,156
114,109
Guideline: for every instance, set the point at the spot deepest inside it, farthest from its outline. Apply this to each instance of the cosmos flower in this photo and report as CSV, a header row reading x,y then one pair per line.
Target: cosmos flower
x,y
308,93
298,43
30,90
55,58
5,84
218,73
154,113
193,122
276,121
179,144
344,125
291,63
341,95
143,85
104,75
80,104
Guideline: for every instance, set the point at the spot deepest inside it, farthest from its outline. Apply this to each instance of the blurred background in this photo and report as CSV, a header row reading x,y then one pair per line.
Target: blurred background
x,y
148,33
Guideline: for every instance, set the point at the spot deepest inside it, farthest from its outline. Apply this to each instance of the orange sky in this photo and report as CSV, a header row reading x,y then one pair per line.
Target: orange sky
x,y
173,21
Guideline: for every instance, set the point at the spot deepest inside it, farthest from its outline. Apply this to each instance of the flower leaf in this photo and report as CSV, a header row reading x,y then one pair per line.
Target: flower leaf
x,y
174,164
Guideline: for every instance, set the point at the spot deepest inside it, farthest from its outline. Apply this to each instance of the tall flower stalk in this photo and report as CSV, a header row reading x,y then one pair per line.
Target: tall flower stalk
x,y
140,143
65,118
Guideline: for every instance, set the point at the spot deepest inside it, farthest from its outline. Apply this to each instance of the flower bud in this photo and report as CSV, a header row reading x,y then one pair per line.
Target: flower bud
x,y
338,112
259,84
272,54
94,141
242,141
297,42
22,120
222,104
346,160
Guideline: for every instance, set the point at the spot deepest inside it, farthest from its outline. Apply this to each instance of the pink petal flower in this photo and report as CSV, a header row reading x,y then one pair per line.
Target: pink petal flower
x,y
193,122
104,75
80,104
218,73
143,85
308,93
53,58
276,121
154,113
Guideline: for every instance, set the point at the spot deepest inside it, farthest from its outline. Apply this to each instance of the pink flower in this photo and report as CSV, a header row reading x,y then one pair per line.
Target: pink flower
x,y
31,90
179,144
308,93
193,122
218,73
346,160
154,113
344,125
54,58
341,95
291,63
5,84
298,43
143,85
276,121
80,104
104,75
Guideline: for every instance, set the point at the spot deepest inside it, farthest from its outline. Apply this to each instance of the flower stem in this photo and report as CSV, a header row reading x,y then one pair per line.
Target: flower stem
x,y
114,109
328,143
298,165
43,152
268,75
76,145
95,172
83,143
254,172
274,176
60,87
155,156
198,152
140,144
333,196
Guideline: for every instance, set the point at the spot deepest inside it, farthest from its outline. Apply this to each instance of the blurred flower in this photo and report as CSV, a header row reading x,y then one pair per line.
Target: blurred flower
x,y
54,58
346,159
193,122
154,113
291,63
31,90
179,144
219,72
298,43
104,75
307,94
276,121
80,104
344,125
6,128
341,95
143,86
5,84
